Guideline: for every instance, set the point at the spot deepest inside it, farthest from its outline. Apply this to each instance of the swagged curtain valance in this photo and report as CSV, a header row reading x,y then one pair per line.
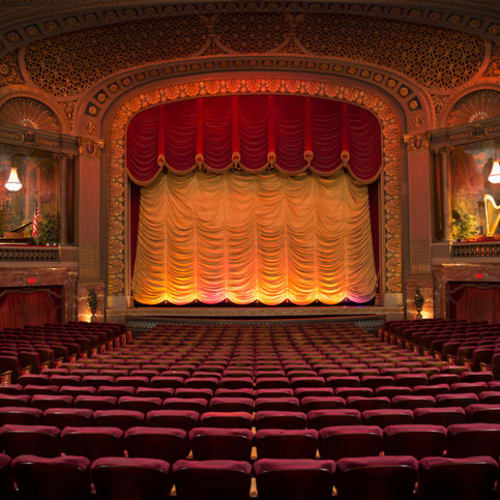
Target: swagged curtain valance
x,y
291,133
248,233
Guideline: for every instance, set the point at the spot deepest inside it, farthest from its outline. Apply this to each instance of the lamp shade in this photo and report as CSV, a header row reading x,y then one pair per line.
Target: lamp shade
x,y
494,176
13,183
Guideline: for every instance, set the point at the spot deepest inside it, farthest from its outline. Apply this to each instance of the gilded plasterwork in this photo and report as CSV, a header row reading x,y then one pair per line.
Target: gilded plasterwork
x,y
438,58
391,162
9,70
494,66
31,113
475,106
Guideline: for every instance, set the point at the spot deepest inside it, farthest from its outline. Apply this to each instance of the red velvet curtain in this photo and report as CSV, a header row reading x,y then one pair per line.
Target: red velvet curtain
x,y
474,301
30,306
254,131
292,133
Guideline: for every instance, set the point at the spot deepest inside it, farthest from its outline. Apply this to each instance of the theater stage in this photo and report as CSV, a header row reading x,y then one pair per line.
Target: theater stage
x,y
369,317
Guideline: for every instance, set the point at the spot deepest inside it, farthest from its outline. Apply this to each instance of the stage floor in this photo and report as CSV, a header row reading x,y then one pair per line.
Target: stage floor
x,y
369,317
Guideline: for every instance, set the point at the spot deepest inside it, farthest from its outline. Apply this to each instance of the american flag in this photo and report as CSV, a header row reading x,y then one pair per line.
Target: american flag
x,y
36,215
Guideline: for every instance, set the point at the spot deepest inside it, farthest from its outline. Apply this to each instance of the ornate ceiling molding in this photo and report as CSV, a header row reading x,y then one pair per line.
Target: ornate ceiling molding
x,y
411,98
126,108
440,59
38,23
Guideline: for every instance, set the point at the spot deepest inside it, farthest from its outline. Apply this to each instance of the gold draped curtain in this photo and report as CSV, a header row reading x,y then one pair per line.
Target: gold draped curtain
x,y
264,237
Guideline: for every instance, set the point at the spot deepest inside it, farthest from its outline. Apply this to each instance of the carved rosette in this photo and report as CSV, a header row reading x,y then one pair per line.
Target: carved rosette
x,y
391,158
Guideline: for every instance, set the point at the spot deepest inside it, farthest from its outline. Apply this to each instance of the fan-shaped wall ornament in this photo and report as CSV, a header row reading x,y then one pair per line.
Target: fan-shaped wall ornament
x,y
479,105
31,113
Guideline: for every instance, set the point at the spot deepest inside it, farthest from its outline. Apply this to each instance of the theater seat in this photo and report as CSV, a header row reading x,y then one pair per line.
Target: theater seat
x,y
350,441
63,417
235,419
157,442
381,478
468,440
282,479
317,419
92,442
6,484
20,415
59,478
180,419
41,440
282,443
212,479
471,478
209,443
440,416
416,440
123,419
391,416
131,478
280,420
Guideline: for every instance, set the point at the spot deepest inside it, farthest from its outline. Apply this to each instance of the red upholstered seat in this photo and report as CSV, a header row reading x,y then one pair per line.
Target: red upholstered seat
x,y
362,403
196,404
317,419
123,419
131,478
58,478
286,403
294,479
385,417
417,440
116,391
95,402
63,417
445,416
471,478
412,402
468,440
186,392
211,479
14,400
280,420
6,483
181,419
135,403
20,415
282,443
32,389
224,404
350,441
457,399
483,413
157,442
383,478
209,443
225,419
309,403
41,440
92,442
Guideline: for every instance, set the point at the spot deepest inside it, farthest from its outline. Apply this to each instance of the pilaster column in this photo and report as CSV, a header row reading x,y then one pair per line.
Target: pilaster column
x,y
63,163
445,193
419,223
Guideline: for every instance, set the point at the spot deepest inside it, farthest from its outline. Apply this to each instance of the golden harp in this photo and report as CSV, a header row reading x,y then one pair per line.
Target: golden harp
x,y
492,211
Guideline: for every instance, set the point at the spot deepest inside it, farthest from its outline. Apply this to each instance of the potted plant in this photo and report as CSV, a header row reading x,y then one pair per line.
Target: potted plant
x,y
464,225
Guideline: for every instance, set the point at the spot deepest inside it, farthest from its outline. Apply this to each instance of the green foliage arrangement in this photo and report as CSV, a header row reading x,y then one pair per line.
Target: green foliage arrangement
x,y
48,229
464,224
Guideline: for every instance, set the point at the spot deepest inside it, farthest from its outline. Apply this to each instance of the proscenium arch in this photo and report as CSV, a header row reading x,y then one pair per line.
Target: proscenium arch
x,y
375,102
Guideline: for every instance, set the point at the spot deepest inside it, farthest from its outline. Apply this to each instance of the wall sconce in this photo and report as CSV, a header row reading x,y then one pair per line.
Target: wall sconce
x,y
13,183
494,176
